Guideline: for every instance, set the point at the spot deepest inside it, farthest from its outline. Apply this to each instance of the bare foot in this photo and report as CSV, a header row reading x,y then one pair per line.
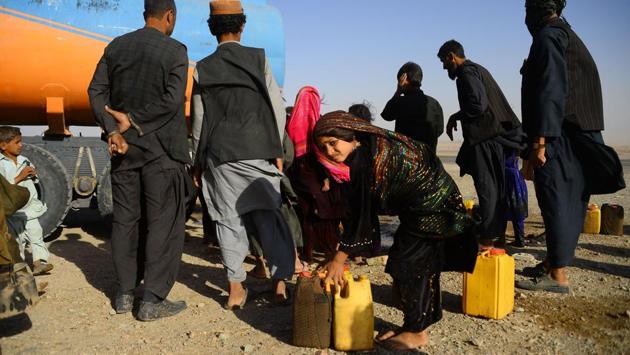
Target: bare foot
x,y
237,294
281,295
385,336
41,286
407,341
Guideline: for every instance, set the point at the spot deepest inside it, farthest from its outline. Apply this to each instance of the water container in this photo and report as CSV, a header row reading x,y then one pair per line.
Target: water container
x,y
312,313
469,204
612,219
353,321
489,290
593,219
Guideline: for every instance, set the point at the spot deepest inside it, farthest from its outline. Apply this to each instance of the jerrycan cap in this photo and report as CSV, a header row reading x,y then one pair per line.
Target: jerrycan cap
x,y
497,251
363,277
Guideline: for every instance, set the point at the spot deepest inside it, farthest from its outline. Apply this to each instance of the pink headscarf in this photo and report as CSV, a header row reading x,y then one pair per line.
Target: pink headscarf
x,y
300,129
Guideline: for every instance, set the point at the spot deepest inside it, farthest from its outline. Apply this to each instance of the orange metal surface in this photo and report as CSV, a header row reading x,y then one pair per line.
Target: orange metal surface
x,y
38,62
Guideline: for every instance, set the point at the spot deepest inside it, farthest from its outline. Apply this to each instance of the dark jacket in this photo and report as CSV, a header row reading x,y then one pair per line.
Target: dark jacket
x,y
144,73
560,82
239,121
417,116
484,111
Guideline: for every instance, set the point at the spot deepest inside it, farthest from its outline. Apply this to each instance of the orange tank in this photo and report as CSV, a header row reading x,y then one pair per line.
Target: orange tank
x,y
48,53
49,50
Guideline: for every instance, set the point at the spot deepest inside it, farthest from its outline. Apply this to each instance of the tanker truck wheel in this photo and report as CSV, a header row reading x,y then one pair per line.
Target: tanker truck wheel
x,y
104,197
54,189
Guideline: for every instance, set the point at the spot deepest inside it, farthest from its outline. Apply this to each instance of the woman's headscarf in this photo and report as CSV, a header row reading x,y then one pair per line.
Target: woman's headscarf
x,y
306,113
341,119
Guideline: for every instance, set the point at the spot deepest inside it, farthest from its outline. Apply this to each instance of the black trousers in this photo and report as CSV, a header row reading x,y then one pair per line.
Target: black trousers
x,y
154,193
415,264
563,198
485,162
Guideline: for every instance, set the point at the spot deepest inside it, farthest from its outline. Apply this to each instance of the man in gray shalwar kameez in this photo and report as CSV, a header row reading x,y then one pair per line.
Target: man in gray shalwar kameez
x,y
238,122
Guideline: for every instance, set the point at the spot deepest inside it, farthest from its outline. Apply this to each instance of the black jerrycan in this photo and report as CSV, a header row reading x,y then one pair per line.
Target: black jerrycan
x,y
612,219
312,313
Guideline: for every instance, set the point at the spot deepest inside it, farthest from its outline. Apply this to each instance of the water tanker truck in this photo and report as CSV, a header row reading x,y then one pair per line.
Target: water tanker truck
x,y
48,53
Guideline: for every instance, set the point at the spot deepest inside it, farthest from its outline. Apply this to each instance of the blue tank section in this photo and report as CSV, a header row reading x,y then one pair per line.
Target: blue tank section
x,y
103,19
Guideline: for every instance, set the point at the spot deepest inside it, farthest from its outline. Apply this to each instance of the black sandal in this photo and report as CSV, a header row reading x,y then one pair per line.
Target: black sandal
x,y
545,283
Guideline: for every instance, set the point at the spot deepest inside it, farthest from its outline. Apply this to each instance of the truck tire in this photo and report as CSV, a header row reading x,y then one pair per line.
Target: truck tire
x,y
54,188
104,197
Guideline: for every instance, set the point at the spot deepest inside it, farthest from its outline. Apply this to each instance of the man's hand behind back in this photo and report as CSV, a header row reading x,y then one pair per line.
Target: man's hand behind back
x,y
122,119
117,144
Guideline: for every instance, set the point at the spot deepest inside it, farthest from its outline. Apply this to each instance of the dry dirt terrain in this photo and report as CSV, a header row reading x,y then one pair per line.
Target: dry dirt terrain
x,y
74,315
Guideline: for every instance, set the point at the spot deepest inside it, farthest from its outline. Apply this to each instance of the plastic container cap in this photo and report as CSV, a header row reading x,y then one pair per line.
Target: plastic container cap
x,y
496,251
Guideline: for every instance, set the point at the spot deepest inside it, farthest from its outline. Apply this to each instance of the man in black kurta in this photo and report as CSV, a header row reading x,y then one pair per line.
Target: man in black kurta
x,y
418,116
490,129
142,75
562,114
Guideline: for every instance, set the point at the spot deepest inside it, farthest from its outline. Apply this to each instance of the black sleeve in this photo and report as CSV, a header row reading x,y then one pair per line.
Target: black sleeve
x,y
156,114
98,92
473,100
547,54
390,112
357,233
435,116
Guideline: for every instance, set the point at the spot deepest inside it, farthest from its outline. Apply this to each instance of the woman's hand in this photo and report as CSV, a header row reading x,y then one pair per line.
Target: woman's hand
x,y
334,270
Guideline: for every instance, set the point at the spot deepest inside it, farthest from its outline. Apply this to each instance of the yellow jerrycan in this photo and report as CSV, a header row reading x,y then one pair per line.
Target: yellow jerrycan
x,y
489,290
593,219
353,317
469,204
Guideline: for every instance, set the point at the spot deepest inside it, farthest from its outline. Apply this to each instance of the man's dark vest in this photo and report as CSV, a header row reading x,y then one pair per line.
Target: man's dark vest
x,y
498,118
584,105
239,121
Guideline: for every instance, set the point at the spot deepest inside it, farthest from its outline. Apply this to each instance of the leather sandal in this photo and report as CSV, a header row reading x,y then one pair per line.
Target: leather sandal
x,y
544,283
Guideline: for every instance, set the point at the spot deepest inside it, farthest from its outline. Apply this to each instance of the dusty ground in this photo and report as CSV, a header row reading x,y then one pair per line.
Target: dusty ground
x,y
75,315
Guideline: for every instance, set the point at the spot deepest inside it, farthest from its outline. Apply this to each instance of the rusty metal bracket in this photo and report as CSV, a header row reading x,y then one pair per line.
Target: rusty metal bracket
x,y
55,115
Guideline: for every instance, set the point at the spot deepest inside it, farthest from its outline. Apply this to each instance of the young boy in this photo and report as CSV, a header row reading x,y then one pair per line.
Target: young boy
x,y
24,224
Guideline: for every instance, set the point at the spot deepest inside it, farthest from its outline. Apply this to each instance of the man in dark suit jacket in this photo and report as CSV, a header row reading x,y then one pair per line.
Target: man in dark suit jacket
x,y
137,95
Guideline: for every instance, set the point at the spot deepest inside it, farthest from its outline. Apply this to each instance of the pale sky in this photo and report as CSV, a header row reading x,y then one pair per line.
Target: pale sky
x,y
352,50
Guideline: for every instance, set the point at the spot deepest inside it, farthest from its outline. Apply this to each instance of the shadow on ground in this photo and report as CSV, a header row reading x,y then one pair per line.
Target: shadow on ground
x,y
14,325
606,249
